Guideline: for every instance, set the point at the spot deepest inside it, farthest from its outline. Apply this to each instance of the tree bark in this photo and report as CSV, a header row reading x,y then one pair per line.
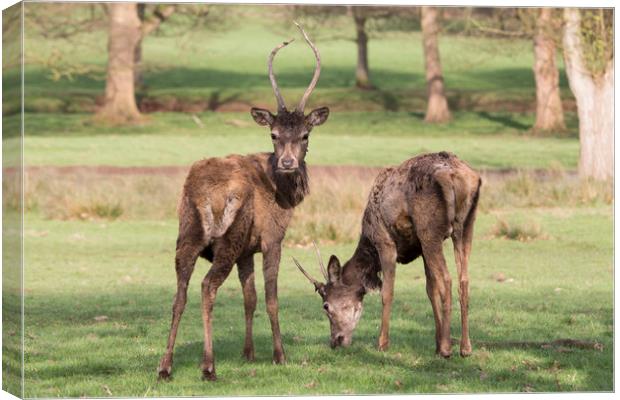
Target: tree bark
x,y
362,75
437,110
595,104
124,33
549,114
138,77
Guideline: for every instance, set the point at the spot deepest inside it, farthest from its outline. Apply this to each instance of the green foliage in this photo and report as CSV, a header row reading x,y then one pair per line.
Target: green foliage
x,y
597,39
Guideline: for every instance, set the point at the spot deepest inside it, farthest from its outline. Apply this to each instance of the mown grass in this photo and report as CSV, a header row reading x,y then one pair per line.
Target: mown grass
x,y
560,287
486,140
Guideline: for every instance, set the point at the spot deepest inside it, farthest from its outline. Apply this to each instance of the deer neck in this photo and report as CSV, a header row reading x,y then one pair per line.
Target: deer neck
x,y
291,188
363,268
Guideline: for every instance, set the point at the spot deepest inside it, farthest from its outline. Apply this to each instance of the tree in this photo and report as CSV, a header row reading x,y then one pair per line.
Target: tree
x,y
369,21
549,113
588,55
150,22
362,75
437,109
124,34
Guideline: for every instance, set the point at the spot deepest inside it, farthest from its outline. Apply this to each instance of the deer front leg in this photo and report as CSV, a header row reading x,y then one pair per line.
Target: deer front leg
x,y
271,265
246,277
217,275
388,268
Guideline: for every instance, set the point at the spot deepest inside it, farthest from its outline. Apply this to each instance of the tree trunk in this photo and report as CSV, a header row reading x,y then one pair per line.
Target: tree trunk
x,y
362,76
138,78
595,104
549,114
437,110
124,33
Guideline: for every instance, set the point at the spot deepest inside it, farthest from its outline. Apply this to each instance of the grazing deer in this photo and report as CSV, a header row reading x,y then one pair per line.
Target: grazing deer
x,y
236,206
411,210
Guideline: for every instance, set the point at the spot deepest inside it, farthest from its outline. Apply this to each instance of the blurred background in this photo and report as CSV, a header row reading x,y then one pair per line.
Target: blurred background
x,y
121,98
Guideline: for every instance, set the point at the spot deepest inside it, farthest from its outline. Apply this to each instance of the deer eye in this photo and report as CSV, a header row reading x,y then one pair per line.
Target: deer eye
x,y
326,307
305,137
274,137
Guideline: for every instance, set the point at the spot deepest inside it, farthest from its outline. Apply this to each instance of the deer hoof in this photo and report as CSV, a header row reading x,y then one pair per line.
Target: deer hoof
x,y
278,358
445,353
164,372
248,354
384,346
465,352
208,374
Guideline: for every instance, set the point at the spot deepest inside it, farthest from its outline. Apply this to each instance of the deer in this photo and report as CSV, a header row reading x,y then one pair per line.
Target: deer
x,y
411,210
236,206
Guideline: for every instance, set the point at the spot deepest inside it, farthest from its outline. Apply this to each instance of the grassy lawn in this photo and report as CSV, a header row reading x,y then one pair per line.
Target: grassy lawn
x,y
80,265
486,140
557,287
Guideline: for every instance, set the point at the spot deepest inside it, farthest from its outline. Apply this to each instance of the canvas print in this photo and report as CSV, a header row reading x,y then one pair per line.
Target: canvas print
x,y
242,200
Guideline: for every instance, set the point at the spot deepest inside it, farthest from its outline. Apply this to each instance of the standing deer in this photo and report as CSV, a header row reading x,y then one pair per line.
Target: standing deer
x,y
411,210
236,206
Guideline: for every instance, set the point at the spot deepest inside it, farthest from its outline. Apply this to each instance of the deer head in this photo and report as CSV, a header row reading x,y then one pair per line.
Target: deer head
x,y
342,303
290,130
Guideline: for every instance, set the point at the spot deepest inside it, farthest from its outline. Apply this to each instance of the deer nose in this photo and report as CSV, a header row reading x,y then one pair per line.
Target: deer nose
x,y
288,162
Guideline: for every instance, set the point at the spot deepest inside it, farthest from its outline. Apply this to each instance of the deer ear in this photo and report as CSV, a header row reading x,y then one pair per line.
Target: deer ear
x,y
333,269
317,116
262,117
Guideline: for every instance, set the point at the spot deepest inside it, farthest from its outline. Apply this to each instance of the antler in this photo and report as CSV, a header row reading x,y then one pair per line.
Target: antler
x,y
307,275
272,77
317,71
318,255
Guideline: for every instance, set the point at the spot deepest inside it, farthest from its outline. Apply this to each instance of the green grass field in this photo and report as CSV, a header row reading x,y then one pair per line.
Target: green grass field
x,y
559,287
487,140
100,245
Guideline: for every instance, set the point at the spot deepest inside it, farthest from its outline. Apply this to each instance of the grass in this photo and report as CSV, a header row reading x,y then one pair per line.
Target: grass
x,y
557,288
486,140
99,274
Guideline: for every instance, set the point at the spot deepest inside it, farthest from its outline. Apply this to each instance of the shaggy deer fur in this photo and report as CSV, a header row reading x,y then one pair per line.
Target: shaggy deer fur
x,y
411,210
234,207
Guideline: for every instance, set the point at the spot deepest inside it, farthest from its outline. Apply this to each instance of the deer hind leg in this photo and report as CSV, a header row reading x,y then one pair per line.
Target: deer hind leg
x,y
463,288
245,268
186,255
433,295
213,280
462,251
388,269
441,290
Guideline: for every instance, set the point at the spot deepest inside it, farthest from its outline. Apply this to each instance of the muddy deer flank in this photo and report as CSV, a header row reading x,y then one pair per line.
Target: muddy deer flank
x,y
411,210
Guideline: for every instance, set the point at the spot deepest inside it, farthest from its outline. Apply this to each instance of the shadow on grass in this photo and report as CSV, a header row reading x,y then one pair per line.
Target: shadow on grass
x,y
505,119
64,342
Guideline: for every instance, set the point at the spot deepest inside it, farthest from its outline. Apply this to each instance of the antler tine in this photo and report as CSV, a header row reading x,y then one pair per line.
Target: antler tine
x,y
317,71
318,255
272,77
307,275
